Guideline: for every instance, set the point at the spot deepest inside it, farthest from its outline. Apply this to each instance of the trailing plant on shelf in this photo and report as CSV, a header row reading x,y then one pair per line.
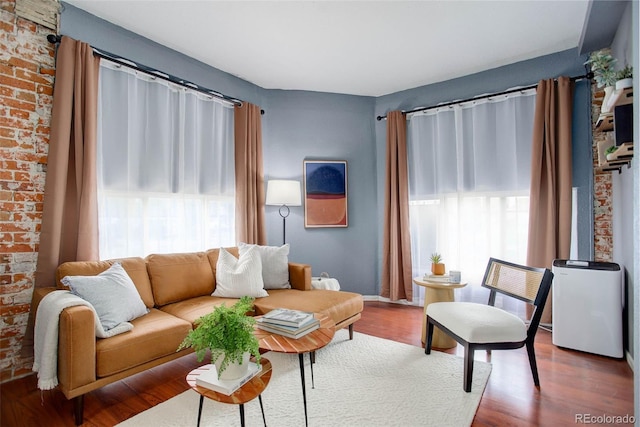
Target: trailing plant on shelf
x,y
609,151
601,63
625,78
625,73
227,332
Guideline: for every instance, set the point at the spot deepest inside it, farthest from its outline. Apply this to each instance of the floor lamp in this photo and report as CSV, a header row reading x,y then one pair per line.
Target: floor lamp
x,y
283,193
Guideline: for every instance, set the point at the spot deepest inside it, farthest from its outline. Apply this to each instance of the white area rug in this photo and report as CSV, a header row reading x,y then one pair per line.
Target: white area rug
x,y
365,382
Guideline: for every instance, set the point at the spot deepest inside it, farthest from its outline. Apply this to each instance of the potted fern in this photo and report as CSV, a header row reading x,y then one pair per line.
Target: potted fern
x,y
437,266
227,332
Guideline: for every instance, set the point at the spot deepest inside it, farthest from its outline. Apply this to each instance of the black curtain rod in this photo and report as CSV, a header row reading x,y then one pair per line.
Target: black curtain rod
x,y
53,38
589,76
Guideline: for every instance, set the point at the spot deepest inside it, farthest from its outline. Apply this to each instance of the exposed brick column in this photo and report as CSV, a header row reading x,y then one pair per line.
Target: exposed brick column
x,y
602,190
26,88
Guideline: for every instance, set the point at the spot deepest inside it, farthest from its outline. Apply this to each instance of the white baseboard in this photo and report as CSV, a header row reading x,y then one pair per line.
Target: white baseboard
x,y
630,360
383,299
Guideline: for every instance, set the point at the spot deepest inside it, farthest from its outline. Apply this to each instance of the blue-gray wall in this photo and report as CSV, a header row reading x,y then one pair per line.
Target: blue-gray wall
x,y
301,125
100,34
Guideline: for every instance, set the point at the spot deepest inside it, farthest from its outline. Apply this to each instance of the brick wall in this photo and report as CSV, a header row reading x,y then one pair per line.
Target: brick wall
x,y
602,195
26,87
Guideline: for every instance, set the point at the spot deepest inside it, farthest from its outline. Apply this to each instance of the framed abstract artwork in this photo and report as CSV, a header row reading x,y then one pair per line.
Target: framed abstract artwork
x,y
325,193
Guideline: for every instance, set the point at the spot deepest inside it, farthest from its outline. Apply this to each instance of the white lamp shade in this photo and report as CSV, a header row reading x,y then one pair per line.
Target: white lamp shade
x,y
283,192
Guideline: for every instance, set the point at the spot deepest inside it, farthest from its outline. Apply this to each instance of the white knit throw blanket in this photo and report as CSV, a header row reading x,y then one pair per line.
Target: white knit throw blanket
x,y
46,334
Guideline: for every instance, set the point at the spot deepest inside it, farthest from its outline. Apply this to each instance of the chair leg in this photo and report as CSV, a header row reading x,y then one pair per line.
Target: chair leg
x,y
532,362
78,409
351,331
468,368
427,346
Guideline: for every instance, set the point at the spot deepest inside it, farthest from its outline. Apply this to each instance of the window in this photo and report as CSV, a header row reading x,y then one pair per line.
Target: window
x,y
165,167
469,175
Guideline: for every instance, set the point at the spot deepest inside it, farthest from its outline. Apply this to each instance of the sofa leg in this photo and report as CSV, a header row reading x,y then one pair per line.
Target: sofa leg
x,y
351,331
78,409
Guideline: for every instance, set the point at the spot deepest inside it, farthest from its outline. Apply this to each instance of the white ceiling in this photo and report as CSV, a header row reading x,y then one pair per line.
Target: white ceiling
x,y
354,47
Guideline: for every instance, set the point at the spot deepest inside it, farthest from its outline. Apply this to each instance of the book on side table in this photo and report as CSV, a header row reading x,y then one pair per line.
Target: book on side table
x,y
288,317
289,331
209,379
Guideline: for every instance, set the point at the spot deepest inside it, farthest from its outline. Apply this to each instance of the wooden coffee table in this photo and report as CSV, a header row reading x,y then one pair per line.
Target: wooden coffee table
x,y
244,394
306,344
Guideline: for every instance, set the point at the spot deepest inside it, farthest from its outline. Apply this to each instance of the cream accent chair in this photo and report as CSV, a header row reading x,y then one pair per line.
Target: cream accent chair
x,y
485,327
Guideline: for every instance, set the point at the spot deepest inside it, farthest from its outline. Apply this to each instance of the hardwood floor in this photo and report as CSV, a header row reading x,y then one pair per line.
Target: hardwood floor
x,y
571,383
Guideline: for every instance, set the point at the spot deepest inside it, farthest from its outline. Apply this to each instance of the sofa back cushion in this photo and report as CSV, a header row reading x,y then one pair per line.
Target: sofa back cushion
x,y
176,277
136,268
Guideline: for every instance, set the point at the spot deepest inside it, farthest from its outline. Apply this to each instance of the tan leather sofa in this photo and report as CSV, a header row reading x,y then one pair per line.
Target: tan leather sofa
x,y
176,288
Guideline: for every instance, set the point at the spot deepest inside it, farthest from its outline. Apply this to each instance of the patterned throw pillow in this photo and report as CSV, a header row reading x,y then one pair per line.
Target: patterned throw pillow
x,y
237,277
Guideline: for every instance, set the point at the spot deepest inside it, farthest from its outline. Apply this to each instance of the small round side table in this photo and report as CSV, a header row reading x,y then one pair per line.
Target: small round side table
x,y
244,394
437,292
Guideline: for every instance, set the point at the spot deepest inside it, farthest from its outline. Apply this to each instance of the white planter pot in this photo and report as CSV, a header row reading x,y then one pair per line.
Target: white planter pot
x,y
608,91
624,83
233,370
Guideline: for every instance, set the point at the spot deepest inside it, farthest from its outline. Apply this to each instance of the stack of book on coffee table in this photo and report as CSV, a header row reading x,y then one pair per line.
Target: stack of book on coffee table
x,y
289,323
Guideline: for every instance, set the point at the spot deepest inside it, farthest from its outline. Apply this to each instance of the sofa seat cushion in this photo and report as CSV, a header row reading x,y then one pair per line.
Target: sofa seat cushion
x,y
154,335
339,306
194,308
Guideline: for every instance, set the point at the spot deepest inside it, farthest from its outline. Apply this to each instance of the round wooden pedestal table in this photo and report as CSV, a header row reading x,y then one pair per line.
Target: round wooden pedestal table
x,y
244,394
437,292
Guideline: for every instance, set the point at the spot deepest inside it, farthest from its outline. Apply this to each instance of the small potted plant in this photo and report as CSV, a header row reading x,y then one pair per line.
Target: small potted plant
x,y
601,63
228,332
437,267
610,151
625,78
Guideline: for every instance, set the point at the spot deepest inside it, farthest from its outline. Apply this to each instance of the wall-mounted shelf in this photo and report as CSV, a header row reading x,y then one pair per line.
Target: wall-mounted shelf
x,y
622,156
606,122
618,97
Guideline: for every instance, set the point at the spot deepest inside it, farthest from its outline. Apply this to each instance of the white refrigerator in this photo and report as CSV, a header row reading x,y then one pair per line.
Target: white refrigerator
x,y
587,306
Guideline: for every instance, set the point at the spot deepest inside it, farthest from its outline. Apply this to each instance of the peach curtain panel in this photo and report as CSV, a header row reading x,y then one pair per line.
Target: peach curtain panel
x,y
551,181
250,223
70,210
396,253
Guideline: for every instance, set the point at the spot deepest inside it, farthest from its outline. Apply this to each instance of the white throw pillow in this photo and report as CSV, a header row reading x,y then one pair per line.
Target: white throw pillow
x,y
111,293
237,277
275,264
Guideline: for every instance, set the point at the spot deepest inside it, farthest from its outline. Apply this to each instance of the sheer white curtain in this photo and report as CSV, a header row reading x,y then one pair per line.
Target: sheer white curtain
x,y
469,172
165,166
